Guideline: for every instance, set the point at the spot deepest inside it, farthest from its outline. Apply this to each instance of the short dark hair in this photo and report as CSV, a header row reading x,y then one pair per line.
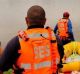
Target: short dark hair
x,y
66,15
36,15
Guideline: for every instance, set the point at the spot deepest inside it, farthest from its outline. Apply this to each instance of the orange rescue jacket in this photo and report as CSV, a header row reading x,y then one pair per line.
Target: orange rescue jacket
x,y
63,27
39,54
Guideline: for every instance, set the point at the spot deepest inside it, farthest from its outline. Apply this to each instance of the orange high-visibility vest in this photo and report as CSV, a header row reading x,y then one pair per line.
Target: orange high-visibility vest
x,y
38,54
63,27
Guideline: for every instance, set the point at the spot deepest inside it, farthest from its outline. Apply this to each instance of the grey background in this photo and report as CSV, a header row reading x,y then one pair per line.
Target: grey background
x,y
13,12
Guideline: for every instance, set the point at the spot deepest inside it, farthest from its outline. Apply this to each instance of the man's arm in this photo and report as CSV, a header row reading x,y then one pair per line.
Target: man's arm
x,y
70,30
69,26
10,54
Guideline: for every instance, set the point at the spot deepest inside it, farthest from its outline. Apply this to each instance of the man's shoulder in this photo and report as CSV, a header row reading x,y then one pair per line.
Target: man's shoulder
x,y
13,43
14,40
10,54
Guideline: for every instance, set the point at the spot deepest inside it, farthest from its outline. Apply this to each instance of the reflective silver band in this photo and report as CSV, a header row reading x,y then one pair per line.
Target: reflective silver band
x,y
42,65
26,66
37,66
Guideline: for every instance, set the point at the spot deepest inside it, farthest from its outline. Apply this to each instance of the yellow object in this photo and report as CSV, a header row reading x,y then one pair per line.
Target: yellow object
x,y
71,47
72,66
71,57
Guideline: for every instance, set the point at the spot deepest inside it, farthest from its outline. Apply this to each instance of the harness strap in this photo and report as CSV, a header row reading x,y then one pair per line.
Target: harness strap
x,y
51,47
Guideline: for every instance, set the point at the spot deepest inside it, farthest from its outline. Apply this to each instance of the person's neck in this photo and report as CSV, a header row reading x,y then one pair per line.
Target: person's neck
x,y
65,18
35,26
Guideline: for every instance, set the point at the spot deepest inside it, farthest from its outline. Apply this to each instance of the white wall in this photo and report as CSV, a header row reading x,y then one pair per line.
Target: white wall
x,y
13,12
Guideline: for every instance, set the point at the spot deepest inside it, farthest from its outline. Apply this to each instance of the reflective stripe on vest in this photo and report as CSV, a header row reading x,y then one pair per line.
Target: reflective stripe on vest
x,y
42,65
36,66
26,66
36,35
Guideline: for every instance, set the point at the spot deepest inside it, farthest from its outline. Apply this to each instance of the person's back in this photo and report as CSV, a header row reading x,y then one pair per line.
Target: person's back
x,y
38,48
38,58
64,28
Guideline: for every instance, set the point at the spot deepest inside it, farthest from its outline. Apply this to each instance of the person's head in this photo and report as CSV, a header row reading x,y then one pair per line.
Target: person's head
x,y
66,15
36,16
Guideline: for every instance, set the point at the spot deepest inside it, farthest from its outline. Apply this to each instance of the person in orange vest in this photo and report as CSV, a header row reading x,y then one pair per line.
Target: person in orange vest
x,y
64,29
34,50
63,32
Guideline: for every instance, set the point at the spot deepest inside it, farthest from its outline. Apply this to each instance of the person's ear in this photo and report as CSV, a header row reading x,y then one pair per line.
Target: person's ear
x,y
26,20
44,21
